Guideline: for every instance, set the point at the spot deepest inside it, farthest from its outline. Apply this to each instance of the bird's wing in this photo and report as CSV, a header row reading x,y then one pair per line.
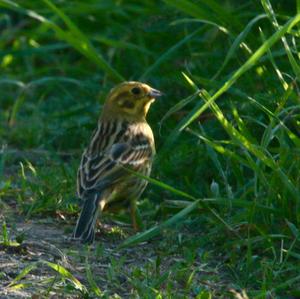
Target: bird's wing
x,y
106,163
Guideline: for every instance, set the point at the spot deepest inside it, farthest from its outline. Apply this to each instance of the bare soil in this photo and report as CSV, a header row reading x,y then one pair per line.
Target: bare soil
x,y
114,271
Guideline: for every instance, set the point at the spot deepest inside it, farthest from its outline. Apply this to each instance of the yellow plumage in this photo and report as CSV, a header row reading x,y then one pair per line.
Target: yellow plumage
x,y
122,140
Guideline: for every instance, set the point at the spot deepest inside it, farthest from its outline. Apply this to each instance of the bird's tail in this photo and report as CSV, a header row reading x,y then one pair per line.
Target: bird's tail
x,y
85,227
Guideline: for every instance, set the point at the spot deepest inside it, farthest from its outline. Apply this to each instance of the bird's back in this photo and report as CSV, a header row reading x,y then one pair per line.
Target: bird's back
x,y
122,142
116,145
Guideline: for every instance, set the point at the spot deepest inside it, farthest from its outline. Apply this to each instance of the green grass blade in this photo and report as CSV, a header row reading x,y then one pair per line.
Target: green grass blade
x,y
235,134
270,12
192,9
66,274
243,69
22,274
278,72
293,229
183,194
293,137
209,10
254,149
229,18
221,149
19,84
154,231
226,202
5,235
163,185
122,45
81,42
74,37
2,161
200,107
288,283
187,20
178,106
237,43
166,55
91,280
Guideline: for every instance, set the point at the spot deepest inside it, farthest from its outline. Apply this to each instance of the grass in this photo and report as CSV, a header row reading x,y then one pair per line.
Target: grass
x,y
221,213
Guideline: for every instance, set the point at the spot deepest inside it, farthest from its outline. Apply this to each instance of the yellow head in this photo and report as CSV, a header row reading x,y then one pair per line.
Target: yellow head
x,y
130,100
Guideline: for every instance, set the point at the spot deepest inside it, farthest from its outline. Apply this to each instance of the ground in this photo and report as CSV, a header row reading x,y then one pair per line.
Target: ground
x,y
221,213
139,272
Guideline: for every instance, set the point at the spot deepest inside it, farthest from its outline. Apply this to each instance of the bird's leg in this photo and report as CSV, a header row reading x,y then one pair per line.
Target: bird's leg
x,y
133,215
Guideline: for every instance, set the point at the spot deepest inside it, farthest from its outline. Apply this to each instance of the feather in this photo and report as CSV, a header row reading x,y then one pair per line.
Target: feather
x,y
119,142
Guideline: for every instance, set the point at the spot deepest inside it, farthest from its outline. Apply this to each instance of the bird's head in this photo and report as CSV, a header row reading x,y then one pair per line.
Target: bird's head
x,y
131,100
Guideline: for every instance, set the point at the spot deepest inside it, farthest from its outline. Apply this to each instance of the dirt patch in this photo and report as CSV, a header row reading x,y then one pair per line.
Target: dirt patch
x,y
48,242
25,271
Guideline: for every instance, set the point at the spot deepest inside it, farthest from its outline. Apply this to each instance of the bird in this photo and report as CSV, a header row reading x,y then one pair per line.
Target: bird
x,y
122,144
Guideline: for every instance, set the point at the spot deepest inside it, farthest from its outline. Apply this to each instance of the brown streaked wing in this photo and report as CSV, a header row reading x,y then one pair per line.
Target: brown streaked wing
x,y
113,156
137,152
95,161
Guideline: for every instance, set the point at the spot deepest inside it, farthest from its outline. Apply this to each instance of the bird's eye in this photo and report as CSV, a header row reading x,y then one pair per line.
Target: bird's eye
x,y
136,90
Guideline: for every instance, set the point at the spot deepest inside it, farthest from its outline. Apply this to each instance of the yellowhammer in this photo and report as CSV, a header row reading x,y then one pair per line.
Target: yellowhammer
x,y
122,140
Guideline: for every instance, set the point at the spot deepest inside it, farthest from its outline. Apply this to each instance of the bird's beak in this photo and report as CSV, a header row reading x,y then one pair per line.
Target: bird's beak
x,y
154,93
